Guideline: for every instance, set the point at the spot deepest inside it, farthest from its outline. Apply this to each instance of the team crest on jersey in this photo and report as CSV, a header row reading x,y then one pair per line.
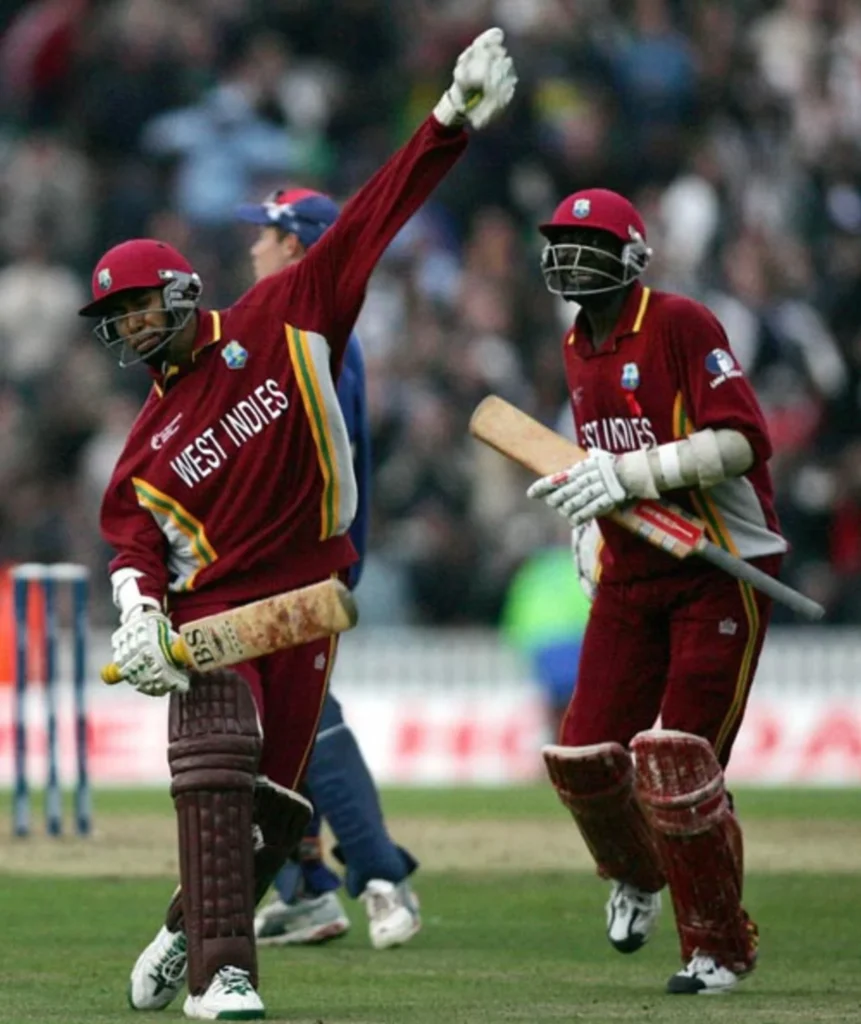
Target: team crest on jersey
x,y
581,208
721,365
630,376
105,279
234,355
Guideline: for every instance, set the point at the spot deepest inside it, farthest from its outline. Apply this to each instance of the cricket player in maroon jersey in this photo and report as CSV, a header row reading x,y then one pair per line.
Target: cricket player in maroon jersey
x,y
236,482
663,408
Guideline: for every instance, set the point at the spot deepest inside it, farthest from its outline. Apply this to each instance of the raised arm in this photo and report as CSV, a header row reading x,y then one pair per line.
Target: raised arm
x,y
337,269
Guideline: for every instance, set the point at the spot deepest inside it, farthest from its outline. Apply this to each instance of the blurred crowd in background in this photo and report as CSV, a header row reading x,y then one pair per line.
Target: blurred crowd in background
x,y
735,127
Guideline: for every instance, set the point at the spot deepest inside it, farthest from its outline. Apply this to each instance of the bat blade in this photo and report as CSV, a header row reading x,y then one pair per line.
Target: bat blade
x,y
262,627
252,630
516,435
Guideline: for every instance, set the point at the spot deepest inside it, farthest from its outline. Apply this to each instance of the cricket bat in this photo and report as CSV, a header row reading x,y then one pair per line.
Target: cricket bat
x,y
252,630
519,437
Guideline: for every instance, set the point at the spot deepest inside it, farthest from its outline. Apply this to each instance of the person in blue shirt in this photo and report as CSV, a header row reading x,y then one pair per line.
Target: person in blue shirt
x,y
306,908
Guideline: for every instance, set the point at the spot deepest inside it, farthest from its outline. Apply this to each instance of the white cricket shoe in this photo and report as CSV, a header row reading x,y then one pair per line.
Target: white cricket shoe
x,y
632,915
702,976
159,972
393,913
230,996
305,921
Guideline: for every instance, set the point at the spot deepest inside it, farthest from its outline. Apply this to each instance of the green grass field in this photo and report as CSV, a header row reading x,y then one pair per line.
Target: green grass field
x,y
501,943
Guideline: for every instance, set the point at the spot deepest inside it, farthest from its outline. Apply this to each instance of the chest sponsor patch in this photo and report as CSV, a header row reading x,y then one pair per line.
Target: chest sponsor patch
x,y
234,355
721,365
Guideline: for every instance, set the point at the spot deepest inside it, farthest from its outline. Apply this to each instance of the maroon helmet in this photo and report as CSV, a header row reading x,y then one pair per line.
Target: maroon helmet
x,y
137,265
596,242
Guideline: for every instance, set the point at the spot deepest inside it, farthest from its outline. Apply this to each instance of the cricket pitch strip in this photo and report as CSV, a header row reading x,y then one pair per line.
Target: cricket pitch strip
x,y
144,845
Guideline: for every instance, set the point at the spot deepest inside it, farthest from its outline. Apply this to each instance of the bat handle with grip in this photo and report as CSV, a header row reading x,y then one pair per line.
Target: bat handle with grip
x,y
179,652
111,674
776,590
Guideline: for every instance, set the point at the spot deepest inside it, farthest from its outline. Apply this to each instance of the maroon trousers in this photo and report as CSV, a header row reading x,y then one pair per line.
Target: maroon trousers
x,y
289,688
683,647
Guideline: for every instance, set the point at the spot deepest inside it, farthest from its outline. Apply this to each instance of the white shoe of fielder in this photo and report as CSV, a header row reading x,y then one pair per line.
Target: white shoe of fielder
x,y
393,913
305,921
159,972
230,996
632,915
703,976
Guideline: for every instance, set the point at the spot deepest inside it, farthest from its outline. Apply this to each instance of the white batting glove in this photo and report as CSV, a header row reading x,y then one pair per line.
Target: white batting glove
x,y
141,649
483,84
580,493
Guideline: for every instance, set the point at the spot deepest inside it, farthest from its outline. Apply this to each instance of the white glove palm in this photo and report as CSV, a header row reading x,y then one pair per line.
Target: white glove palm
x,y
580,493
483,84
141,649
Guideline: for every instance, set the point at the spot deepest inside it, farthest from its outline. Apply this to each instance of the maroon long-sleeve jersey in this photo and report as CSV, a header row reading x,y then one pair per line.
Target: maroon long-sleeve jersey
x,y
667,371
236,479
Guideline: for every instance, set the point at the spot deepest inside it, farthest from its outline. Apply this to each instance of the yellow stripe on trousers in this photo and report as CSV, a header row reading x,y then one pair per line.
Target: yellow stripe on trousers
x,y
720,535
330,664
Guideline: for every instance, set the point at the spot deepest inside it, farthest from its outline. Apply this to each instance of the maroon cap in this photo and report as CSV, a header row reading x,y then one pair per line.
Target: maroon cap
x,y
597,208
139,263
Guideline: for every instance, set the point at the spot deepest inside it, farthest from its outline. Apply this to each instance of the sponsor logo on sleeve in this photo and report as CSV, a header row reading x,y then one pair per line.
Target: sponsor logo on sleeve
x,y
721,365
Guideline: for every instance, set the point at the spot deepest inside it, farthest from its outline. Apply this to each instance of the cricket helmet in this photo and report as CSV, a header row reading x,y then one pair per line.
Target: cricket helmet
x,y
296,211
596,243
137,265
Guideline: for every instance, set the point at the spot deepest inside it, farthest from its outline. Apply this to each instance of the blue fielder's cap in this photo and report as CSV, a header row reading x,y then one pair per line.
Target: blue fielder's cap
x,y
298,211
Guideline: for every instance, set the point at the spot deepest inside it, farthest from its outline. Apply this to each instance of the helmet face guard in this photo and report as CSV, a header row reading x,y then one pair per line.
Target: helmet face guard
x,y
572,269
180,299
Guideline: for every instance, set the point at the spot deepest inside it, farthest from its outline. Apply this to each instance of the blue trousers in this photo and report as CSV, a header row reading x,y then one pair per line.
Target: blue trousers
x,y
343,792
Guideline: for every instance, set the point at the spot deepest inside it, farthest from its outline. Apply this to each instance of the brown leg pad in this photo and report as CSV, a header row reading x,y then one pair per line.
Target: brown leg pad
x,y
280,819
214,749
596,784
681,785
